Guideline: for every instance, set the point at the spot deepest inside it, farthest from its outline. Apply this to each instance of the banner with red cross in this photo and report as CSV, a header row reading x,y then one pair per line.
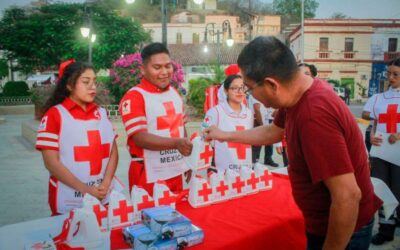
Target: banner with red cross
x,y
235,182
264,176
200,192
219,186
163,196
250,179
141,200
101,212
120,211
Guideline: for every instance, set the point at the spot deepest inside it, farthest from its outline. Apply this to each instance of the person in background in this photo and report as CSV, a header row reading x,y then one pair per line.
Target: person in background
x,y
231,115
329,169
308,69
153,115
347,92
383,109
77,140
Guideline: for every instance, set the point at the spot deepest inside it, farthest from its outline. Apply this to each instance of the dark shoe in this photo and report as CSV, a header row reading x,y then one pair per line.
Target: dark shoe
x,y
271,163
379,239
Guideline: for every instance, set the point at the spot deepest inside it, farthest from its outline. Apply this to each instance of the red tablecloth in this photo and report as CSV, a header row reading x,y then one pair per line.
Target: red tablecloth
x,y
267,220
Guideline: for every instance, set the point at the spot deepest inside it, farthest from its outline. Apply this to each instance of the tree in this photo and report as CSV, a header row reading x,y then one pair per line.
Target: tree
x,y
339,15
291,9
42,37
3,68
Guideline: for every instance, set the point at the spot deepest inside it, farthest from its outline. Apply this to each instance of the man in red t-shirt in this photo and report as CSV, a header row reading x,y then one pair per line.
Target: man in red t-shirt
x,y
329,169
153,115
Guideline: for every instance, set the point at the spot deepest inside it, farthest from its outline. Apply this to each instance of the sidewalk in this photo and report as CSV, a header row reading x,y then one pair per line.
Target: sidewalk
x,y
23,177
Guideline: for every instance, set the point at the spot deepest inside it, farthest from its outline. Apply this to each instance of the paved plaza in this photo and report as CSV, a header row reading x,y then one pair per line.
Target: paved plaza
x,y
23,177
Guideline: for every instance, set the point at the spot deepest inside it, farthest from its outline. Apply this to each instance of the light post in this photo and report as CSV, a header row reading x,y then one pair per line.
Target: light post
x,y
302,31
87,31
226,27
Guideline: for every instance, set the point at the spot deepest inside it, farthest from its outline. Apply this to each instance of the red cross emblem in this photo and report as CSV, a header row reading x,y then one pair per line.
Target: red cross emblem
x,y
207,154
171,120
146,203
94,153
222,188
100,215
266,177
123,211
238,184
391,118
205,192
167,199
253,180
240,148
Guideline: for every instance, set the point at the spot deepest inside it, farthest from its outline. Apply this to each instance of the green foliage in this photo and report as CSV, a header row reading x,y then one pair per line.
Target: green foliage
x,y
336,83
42,38
339,15
3,68
291,9
196,95
17,88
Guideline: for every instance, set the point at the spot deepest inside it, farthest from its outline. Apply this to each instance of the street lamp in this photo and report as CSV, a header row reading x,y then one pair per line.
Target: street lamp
x,y
87,31
302,31
212,31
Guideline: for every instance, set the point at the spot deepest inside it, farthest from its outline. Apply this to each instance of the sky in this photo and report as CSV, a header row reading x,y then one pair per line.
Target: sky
x,y
352,8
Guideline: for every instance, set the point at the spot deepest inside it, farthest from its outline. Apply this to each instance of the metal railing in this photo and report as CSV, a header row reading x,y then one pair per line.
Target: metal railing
x,y
15,100
112,111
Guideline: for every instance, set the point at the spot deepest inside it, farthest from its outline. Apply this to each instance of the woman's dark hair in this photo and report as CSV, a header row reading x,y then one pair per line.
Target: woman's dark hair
x,y
228,81
394,62
71,74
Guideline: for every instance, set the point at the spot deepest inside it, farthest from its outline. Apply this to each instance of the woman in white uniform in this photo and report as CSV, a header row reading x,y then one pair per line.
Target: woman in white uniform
x,y
231,115
385,111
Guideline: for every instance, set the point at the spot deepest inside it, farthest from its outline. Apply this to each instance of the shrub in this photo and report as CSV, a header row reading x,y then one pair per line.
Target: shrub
x,y
196,95
16,88
126,73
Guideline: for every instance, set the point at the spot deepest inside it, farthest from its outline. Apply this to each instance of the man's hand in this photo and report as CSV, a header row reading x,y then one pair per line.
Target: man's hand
x,y
188,175
184,146
393,138
214,133
375,140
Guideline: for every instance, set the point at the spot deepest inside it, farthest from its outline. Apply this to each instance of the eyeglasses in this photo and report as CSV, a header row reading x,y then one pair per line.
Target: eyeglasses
x,y
249,91
238,89
394,74
90,85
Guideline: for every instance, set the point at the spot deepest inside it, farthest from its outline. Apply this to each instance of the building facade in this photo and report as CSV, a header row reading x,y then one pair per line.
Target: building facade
x,y
347,50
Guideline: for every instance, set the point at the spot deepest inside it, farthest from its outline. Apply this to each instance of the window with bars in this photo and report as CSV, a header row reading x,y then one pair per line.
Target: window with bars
x,y
348,48
392,45
323,47
178,38
196,38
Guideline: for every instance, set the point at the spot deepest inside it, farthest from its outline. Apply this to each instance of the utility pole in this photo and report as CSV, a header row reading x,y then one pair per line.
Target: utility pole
x,y
164,21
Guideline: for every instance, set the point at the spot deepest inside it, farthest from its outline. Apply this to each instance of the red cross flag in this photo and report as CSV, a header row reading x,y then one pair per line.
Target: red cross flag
x,y
93,204
264,175
219,186
200,192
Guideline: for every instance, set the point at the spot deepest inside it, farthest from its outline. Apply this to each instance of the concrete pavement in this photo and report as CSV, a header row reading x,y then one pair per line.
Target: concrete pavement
x,y
23,177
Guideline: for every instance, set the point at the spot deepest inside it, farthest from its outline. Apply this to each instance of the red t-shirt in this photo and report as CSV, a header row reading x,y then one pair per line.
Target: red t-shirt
x,y
133,113
324,141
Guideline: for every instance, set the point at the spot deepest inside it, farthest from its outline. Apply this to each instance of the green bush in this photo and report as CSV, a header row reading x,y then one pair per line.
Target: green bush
x,y
196,95
17,88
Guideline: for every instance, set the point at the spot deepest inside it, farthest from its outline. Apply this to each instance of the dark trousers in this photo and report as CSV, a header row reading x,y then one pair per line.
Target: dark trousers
x,y
367,137
359,240
390,174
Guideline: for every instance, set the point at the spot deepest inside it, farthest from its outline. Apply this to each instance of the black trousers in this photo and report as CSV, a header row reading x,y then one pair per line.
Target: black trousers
x,y
390,174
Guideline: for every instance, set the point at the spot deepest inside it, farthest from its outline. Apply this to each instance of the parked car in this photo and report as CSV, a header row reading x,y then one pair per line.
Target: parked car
x,y
339,91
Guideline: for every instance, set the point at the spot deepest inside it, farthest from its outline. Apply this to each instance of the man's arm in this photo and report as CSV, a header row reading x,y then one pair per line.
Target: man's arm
x,y
154,142
262,135
345,197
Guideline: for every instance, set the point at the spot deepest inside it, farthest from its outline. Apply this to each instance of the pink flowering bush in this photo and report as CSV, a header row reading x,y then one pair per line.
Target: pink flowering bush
x,y
126,73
